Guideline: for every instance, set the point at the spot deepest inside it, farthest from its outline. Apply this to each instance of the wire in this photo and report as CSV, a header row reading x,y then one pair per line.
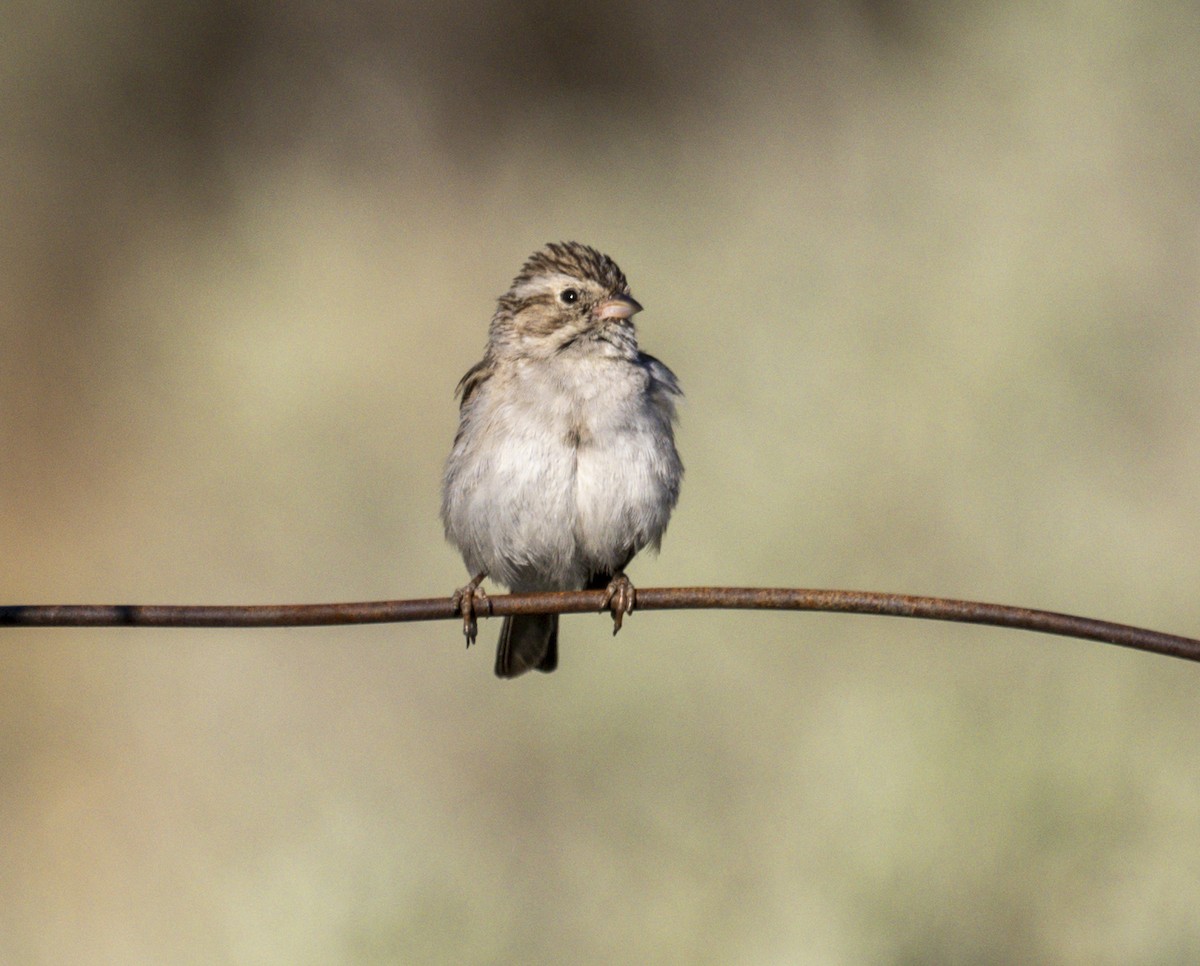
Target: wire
x,y
575,602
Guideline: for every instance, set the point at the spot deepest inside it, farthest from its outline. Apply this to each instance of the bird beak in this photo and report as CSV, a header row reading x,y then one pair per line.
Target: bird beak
x,y
618,307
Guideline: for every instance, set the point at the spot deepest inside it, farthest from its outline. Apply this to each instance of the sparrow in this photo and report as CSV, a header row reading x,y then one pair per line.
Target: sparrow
x,y
564,465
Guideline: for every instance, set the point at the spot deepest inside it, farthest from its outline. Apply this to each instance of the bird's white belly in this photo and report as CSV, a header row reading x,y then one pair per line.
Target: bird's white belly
x,y
562,485
559,512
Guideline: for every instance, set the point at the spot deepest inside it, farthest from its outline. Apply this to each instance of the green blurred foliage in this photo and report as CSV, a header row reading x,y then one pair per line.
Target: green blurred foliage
x,y
930,275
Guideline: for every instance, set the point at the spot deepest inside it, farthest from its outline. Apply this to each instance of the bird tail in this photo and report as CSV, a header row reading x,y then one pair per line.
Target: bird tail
x,y
527,641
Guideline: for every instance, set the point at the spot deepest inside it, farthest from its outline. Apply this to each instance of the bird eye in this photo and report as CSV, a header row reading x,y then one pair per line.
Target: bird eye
x,y
569,295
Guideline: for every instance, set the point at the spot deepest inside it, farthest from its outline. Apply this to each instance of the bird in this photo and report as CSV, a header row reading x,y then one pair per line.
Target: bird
x,y
564,465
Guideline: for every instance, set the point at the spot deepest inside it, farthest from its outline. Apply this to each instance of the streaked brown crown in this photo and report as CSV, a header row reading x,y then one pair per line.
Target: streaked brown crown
x,y
577,260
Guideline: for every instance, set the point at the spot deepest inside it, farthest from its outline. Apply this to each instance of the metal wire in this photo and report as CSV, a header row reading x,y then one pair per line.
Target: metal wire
x,y
575,602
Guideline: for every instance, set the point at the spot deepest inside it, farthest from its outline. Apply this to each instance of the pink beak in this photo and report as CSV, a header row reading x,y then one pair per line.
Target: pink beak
x,y
617,307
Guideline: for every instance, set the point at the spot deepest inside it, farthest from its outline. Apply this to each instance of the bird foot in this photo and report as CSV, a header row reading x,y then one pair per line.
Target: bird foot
x,y
619,597
464,600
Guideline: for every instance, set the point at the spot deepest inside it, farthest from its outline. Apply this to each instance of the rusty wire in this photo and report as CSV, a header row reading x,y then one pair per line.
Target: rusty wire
x,y
575,602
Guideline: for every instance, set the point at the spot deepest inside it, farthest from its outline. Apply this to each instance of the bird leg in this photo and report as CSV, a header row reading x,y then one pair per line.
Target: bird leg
x,y
464,599
619,597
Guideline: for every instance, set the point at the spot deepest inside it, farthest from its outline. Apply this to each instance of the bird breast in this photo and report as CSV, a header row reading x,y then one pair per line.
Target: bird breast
x,y
569,475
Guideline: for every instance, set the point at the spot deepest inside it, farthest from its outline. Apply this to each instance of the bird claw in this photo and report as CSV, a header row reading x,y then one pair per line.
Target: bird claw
x,y
464,600
619,597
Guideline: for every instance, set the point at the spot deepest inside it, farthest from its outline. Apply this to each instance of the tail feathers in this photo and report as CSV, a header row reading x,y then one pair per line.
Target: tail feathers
x,y
527,642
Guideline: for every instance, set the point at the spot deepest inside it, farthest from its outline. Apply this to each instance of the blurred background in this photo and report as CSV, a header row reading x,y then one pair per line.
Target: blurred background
x,y
929,276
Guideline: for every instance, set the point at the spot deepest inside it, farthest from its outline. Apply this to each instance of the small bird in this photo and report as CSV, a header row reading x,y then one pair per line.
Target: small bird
x,y
564,465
